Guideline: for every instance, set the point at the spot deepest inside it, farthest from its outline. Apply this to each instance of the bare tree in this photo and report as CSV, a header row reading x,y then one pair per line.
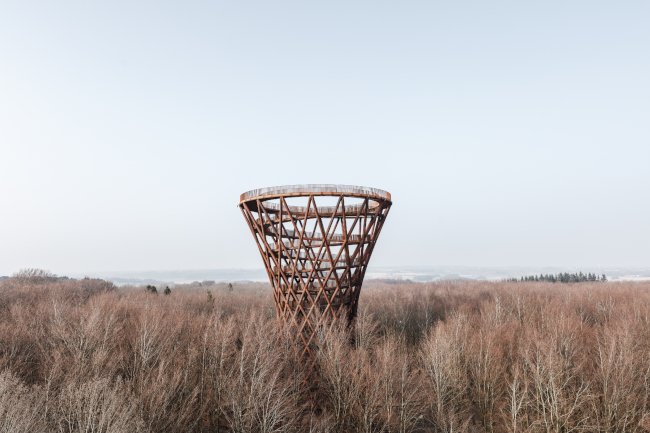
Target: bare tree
x,y
258,400
620,378
96,406
401,407
337,377
33,276
441,357
561,392
486,369
21,408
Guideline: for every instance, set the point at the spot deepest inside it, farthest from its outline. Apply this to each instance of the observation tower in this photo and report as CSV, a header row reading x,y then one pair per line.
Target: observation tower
x,y
315,242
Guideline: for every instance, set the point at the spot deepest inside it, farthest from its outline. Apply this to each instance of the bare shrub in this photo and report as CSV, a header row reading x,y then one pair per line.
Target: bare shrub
x,y
219,359
448,356
622,372
21,407
168,399
516,403
86,336
259,400
442,362
400,403
337,371
561,391
98,406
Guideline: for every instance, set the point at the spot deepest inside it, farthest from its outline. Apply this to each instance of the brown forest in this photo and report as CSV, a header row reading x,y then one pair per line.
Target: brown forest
x,y
454,356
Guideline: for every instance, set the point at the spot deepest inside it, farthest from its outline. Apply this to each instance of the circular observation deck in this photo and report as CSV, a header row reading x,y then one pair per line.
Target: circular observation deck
x,y
375,196
275,192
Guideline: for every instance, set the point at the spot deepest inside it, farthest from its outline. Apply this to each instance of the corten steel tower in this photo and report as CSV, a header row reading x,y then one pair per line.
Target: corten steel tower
x,y
315,256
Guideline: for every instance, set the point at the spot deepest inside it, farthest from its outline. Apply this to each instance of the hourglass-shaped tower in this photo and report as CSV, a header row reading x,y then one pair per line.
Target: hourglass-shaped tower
x,y
315,255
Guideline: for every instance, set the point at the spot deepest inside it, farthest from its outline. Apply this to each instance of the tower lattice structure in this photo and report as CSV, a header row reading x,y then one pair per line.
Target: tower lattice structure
x,y
315,256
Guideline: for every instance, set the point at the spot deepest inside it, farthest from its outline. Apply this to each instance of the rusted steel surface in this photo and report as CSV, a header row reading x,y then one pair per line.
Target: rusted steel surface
x,y
316,256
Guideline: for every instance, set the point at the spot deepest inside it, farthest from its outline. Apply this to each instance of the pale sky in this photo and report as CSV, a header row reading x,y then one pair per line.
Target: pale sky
x,y
508,133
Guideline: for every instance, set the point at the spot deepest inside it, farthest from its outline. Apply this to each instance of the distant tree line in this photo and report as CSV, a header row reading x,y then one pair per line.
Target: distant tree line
x,y
562,278
153,289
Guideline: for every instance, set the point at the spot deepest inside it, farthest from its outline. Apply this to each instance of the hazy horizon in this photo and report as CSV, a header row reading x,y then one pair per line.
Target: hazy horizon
x,y
412,273
509,134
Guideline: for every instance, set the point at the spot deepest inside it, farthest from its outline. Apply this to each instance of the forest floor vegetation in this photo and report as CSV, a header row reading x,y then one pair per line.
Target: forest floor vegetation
x,y
450,356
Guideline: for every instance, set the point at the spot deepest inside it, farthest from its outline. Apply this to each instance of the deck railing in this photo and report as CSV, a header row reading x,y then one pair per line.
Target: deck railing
x,y
316,189
319,266
286,233
330,284
349,209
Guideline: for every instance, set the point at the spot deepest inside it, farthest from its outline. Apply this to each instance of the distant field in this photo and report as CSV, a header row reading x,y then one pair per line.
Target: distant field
x,y
412,273
473,356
